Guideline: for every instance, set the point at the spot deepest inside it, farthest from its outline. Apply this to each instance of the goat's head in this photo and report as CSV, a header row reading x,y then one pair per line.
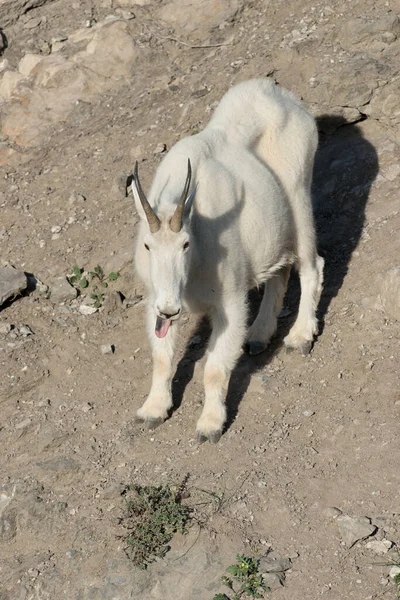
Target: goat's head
x,y
168,243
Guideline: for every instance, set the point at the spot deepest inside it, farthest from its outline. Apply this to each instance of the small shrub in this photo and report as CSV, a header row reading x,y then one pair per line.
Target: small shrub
x,y
245,581
153,515
95,280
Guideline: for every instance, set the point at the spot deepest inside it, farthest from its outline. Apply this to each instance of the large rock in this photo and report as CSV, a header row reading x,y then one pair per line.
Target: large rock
x,y
390,291
194,16
11,10
12,283
9,83
384,105
28,63
111,53
360,33
50,93
353,529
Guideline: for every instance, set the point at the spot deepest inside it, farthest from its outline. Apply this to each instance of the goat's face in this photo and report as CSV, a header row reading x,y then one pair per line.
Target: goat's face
x,y
168,244
169,255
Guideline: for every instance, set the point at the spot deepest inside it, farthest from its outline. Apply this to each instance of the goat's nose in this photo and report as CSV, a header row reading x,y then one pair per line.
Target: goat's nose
x,y
168,314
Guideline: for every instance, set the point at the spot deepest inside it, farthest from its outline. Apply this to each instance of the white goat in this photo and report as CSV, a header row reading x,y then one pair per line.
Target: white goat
x,y
243,218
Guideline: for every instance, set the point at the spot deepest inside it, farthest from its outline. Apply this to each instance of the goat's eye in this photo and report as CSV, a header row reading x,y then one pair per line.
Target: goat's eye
x,y
146,246
185,245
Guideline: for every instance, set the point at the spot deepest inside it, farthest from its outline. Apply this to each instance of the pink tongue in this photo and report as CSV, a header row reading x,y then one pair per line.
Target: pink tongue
x,y
162,326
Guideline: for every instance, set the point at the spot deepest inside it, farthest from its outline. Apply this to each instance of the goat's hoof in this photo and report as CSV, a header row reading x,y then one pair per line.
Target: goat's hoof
x,y
212,437
305,348
153,423
254,348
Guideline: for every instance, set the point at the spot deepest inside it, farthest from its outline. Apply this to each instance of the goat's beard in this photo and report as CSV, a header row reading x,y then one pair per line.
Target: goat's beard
x,y
162,326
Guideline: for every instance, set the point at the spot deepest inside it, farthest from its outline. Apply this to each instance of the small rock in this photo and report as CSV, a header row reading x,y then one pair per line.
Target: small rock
x,y
124,13
86,309
394,571
12,282
107,349
390,291
129,302
33,23
379,547
353,529
5,328
4,65
25,330
119,187
112,302
62,291
308,413
75,197
332,512
56,229
273,580
391,172
273,563
160,148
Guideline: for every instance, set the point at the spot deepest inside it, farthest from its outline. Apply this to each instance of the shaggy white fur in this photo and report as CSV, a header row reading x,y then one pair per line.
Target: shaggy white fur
x,y
247,219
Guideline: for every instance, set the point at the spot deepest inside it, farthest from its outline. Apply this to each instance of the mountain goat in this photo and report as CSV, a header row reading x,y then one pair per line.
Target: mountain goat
x,y
229,209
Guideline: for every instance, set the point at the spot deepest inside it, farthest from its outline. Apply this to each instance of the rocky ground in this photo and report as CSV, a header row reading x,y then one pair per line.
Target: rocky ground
x,y
86,89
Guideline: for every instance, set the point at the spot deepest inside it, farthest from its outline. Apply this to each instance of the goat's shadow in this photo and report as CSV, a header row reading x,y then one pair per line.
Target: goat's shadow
x,y
346,164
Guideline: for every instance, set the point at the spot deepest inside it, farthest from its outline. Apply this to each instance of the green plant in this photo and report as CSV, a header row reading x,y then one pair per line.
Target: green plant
x,y
92,279
153,515
393,562
245,581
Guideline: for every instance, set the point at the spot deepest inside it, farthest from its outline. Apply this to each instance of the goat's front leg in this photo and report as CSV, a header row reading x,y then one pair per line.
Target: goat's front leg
x,y
155,409
228,334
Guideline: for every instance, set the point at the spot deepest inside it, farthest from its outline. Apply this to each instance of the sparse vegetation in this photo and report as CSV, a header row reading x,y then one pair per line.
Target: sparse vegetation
x,y
245,580
95,280
394,572
153,515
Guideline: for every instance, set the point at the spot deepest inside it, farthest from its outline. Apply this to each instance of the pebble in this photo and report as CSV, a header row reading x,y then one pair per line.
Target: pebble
x,y
394,571
308,413
56,229
332,512
119,188
270,564
33,23
25,330
160,148
129,302
86,309
379,547
75,197
125,14
5,328
273,580
107,349
62,291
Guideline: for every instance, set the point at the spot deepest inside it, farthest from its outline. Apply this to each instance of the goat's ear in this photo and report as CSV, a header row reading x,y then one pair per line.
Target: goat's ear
x,y
189,203
138,204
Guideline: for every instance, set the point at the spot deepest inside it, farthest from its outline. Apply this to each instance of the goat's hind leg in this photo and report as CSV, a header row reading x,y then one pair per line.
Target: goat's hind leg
x,y
305,327
266,322
225,347
159,402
